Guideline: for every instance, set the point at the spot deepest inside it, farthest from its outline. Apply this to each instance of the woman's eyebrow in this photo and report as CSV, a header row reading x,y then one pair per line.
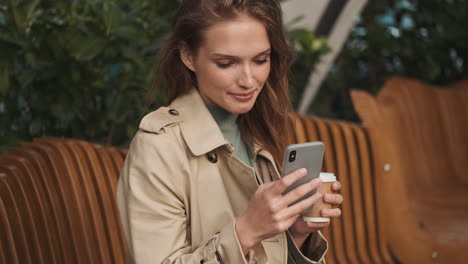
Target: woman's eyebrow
x,y
264,52
220,55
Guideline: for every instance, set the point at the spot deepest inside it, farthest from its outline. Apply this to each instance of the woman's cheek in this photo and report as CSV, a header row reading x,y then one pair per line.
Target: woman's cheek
x,y
224,77
264,73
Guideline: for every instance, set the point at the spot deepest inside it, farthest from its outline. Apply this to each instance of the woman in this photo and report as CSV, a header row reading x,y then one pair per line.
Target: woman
x,y
200,183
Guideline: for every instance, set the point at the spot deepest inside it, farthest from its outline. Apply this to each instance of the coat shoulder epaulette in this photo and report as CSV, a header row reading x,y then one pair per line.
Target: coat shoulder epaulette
x,y
156,121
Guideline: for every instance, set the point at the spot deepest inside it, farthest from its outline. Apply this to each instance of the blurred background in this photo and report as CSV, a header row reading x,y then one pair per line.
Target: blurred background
x,y
81,68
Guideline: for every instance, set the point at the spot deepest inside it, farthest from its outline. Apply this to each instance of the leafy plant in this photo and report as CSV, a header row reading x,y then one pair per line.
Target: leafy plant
x,y
77,69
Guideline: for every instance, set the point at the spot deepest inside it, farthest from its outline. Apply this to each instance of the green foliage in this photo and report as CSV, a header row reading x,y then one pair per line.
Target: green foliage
x,y
426,40
81,68
77,69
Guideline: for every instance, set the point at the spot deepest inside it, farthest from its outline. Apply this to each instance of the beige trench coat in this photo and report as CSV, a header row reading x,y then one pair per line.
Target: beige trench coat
x,y
181,189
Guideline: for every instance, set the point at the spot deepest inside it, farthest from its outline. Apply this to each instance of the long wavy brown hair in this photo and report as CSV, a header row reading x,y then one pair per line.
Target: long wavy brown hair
x,y
268,123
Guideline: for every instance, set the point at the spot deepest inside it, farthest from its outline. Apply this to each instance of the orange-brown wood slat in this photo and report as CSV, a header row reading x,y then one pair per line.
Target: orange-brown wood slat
x,y
80,236
12,196
111,174
342,172
368,192
7,240
337,246
300,133
41,234
56,219
356,187
310,128
79,173
312,135
105,192
26,200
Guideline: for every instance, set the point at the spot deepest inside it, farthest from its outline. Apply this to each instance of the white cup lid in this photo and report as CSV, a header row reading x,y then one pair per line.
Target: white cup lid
x,y
327,177
316,219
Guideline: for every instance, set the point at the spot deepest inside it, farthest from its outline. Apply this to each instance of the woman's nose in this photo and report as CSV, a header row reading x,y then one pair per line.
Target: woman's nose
x,y
246,79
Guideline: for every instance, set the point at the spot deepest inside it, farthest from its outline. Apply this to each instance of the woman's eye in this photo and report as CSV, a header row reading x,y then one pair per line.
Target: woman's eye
x,y
261,61
223,65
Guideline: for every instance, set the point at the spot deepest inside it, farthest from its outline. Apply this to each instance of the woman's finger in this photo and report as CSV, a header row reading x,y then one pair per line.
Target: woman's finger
x,y
335,212
281,185
336,186
300,191
335,199
301,206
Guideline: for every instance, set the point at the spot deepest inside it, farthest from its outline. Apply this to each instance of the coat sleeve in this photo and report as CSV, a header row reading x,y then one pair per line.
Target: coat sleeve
x,y
316,241
152,199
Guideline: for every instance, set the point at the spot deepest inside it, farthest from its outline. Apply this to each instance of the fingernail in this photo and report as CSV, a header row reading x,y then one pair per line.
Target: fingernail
x,y
303,171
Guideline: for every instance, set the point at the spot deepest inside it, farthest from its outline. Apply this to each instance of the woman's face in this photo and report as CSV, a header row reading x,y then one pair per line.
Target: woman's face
x,y
232,63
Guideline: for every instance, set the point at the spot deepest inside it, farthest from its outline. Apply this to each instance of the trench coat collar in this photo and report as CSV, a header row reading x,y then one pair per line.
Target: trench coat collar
x,y
199,129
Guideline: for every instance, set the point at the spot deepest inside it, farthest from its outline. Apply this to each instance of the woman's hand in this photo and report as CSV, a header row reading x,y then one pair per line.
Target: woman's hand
x,y
301,229
268,212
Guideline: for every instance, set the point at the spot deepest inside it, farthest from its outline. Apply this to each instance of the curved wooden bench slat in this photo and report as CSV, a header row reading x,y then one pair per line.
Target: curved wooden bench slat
x,y
105,191
26,199
311,129
109,171
311,134
13,200
7,239
56,219
79,170
42,236
368,193
356,191
70,191
87,183
300,134
453,109
342,173
337,245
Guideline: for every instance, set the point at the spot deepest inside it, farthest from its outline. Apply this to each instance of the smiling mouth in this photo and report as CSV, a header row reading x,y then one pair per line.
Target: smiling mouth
x,y
243,97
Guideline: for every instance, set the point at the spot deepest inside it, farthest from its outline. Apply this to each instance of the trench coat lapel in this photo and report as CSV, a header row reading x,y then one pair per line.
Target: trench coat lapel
x,y
199,129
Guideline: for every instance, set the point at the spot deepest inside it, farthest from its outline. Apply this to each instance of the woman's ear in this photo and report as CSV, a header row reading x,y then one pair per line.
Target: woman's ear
x,y
186,56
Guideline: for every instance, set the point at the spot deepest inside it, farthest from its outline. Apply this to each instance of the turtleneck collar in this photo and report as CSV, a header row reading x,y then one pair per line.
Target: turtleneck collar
x,y
226,121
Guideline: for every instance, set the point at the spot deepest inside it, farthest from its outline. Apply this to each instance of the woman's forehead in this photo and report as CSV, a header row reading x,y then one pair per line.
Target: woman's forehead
x,y
243,36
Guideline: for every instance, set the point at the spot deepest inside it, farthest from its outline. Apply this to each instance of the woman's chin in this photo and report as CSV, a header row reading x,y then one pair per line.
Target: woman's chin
x,y
240,109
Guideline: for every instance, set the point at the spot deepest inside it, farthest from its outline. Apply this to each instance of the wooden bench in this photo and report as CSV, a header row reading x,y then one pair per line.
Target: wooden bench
x,y
58,203
419,139
403,203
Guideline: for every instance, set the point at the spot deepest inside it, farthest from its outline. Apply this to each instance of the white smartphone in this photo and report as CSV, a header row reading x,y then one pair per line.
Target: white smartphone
x,y
304,155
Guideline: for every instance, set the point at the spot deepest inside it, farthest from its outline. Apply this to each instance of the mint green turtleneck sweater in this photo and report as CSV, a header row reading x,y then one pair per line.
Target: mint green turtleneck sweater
x,y
227,122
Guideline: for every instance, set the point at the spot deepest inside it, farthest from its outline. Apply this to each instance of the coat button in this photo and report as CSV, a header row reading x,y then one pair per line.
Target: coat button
x,y
212,157
173,112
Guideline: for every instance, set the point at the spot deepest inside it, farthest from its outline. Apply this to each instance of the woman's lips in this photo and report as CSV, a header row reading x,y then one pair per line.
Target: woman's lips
x,y
243,97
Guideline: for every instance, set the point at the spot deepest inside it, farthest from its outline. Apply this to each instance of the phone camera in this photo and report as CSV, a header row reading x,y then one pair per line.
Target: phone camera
x,y
292,156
